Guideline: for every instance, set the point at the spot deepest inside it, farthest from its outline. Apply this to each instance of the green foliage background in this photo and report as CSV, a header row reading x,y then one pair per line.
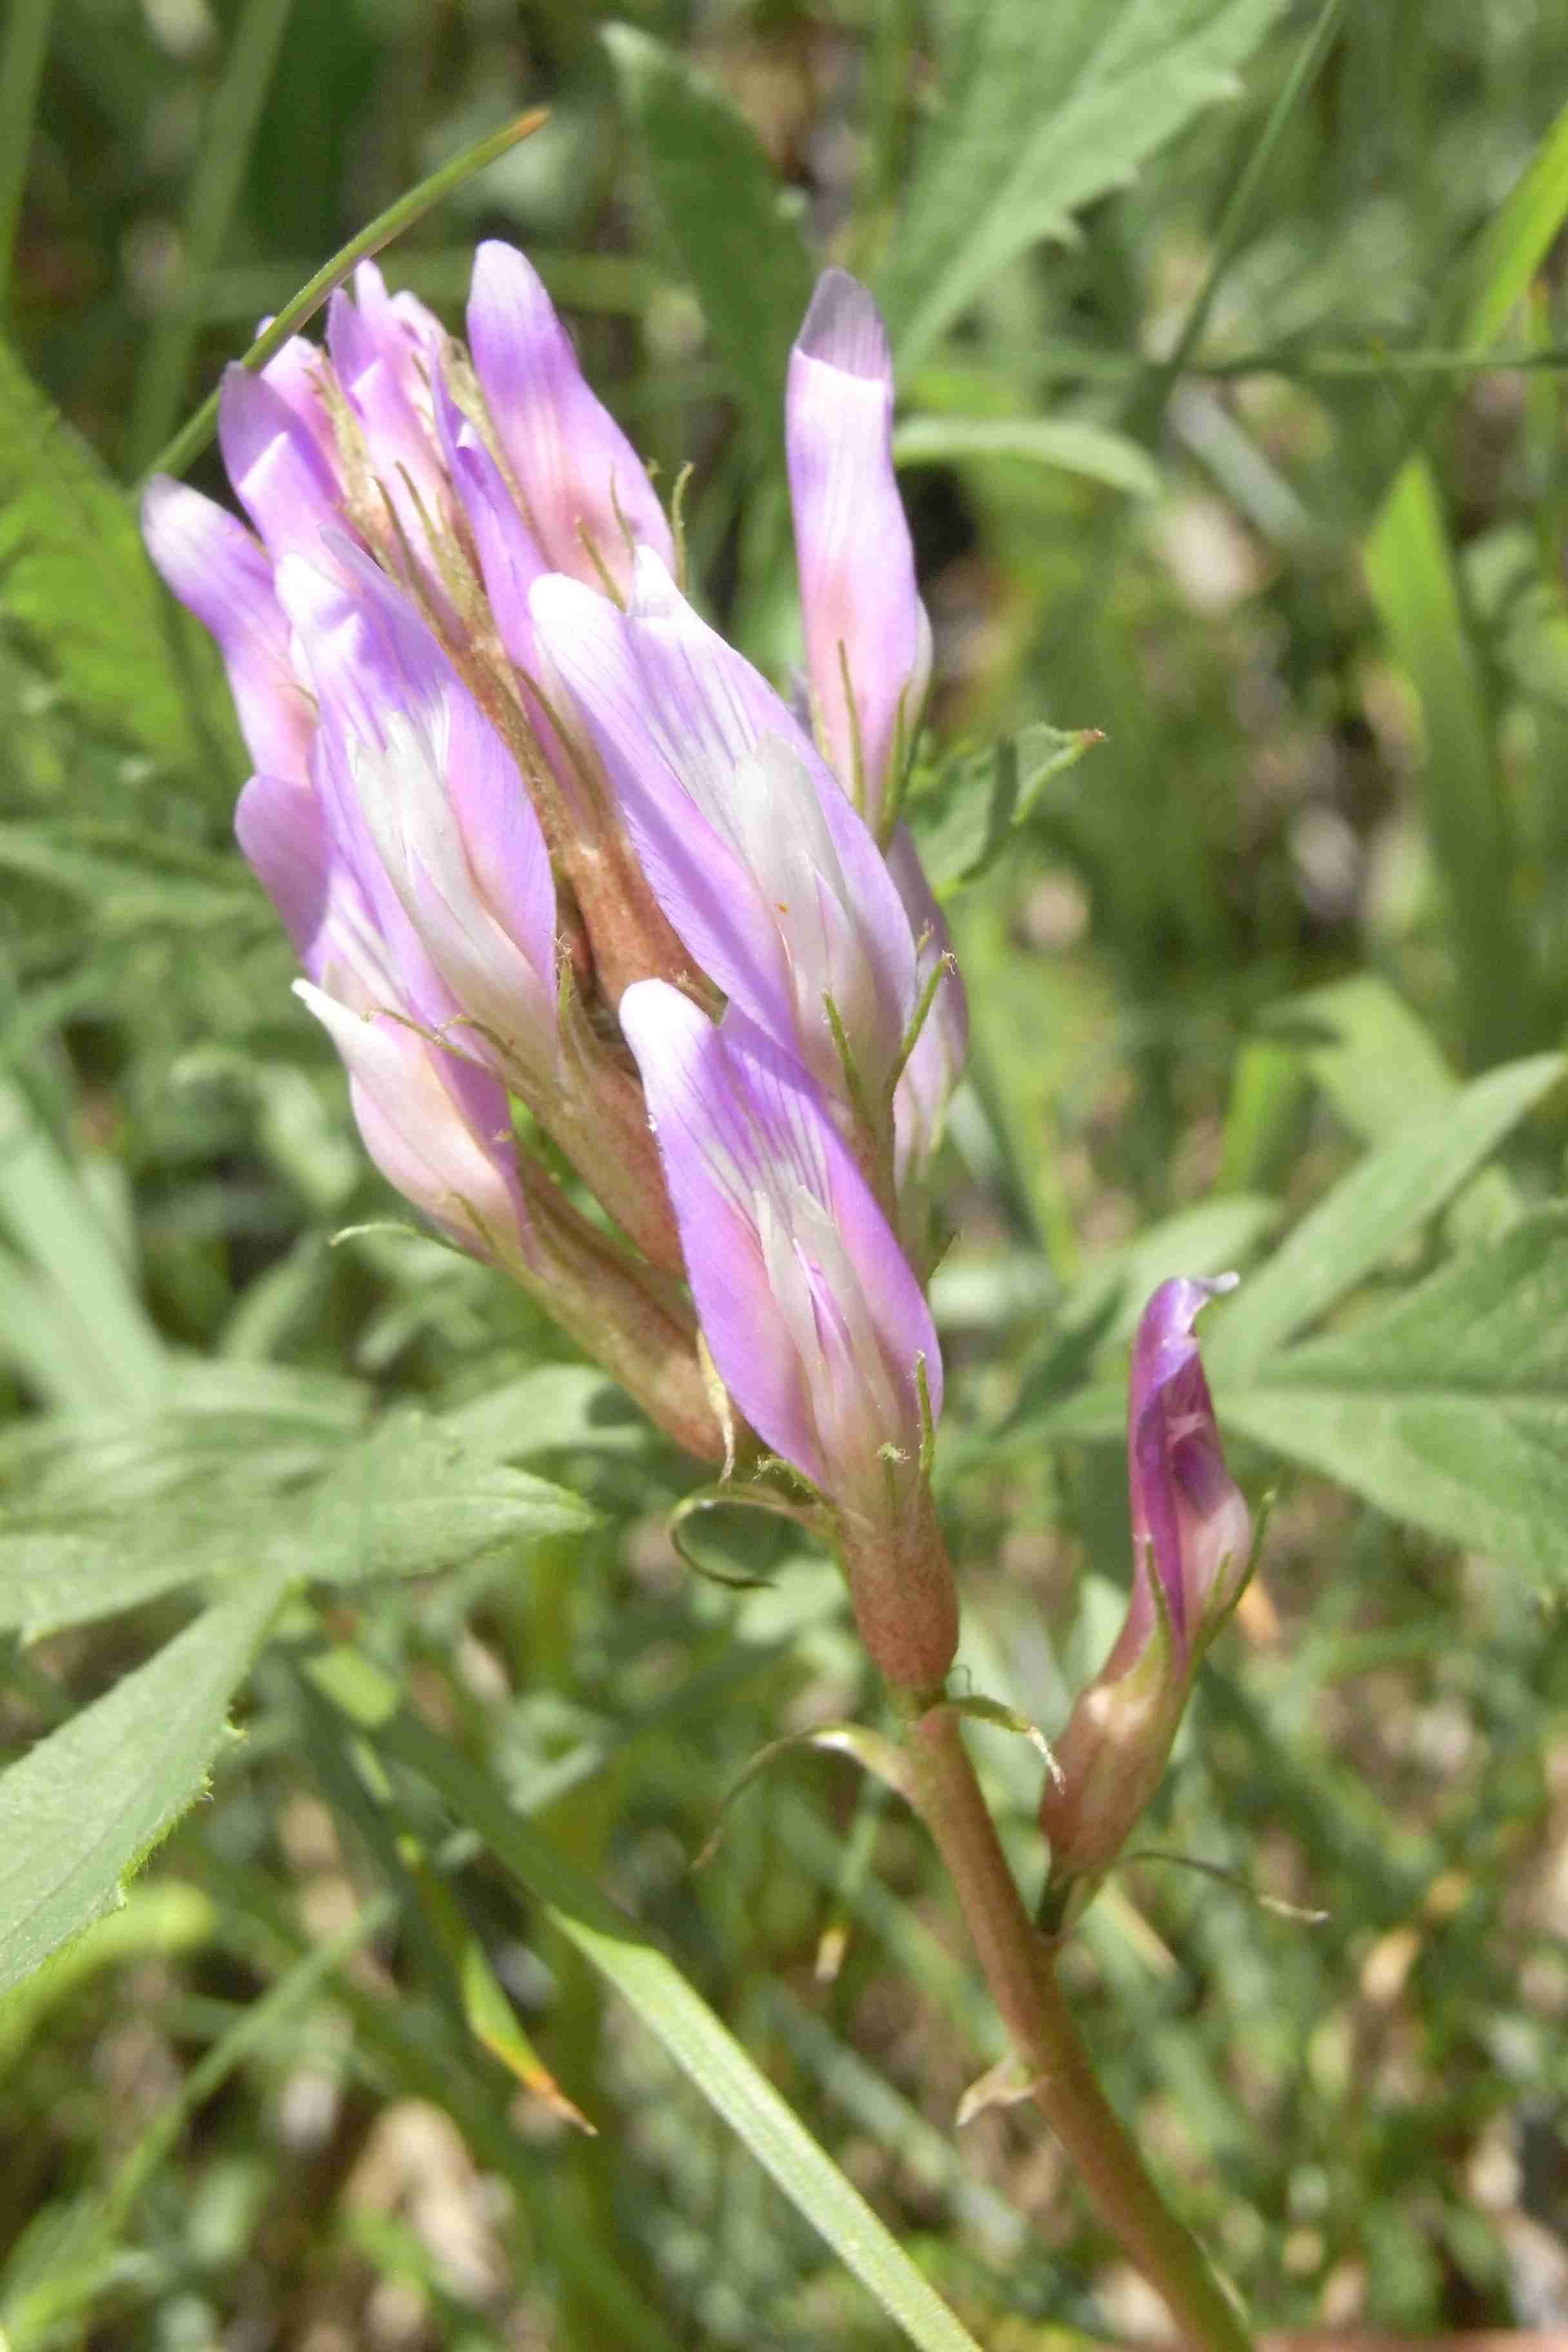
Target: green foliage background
x,y
1231,338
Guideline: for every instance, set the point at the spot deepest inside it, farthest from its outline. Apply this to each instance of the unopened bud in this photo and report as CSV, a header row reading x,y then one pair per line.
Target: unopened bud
x,y
1192,1542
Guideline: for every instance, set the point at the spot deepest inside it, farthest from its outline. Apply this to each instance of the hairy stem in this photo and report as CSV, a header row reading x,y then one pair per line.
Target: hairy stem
x,y
1018,1967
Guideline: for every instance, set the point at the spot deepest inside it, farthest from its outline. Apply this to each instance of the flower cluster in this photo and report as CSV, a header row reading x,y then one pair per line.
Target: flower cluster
x,y
543,841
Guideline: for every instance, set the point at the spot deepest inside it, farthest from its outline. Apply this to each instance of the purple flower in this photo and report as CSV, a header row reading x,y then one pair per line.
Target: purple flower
x,y
437,1128
1192,1546
439,1131
867,641
217,569
765,871
507,782
584,492
428,806
813,1316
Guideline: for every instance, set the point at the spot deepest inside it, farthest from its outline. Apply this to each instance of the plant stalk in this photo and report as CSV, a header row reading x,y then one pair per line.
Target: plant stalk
x,y
1019,1970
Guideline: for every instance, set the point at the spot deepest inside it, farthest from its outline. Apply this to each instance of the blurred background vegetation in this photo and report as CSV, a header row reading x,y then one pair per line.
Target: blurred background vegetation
x,y
1258,465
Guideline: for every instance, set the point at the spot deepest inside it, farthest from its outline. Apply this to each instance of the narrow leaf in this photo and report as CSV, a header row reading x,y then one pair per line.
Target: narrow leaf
x,y
54,1575
1371,1211
412,1500
1410,571
56,1227
1450,1408
1066,444
83,1809
1516,239
699,2044
722,209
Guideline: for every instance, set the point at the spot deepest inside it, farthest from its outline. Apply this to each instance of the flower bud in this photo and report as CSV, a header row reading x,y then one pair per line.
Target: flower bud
x,y
1192,1546
812,1314
867,640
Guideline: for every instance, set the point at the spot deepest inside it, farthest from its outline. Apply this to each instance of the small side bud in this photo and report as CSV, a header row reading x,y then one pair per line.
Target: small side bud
x,y
1192,1542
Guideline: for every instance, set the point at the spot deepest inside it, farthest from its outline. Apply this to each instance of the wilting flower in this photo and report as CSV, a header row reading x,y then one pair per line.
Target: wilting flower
x,y
814,1319
509,783
1192,1546
867,641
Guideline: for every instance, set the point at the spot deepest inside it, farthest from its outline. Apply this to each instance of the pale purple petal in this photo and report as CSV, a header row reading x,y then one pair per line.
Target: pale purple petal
x,y
770,879
578,476
416,767
279,472
857,596
296,372
281,830
213,565
409,337
808,1306
509,558
378,373
1189,1519
438,1130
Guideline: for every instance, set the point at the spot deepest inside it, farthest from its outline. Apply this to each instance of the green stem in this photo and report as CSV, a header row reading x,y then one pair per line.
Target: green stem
x,y
1063,2082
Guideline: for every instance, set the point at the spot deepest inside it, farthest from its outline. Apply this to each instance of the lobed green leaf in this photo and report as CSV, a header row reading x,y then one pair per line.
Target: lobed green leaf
x,y
1044,110
1450,1407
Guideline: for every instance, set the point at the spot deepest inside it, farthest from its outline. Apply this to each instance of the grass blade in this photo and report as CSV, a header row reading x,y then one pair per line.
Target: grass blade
x,y
700,2046
192,437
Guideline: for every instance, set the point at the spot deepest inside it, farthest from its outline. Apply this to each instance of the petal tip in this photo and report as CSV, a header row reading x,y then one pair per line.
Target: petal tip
x,y
843,328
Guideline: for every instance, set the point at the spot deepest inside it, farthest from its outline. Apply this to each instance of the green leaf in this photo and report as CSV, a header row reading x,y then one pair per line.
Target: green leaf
x,y
963,815
723,210
703,2048
1450,1407
1371,1211
413,1500
556,1408
1375,1061
1214,1236
1044,109
77,587
56,1227
1517,240
1066,444
83,1809
1411,574
54,1575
